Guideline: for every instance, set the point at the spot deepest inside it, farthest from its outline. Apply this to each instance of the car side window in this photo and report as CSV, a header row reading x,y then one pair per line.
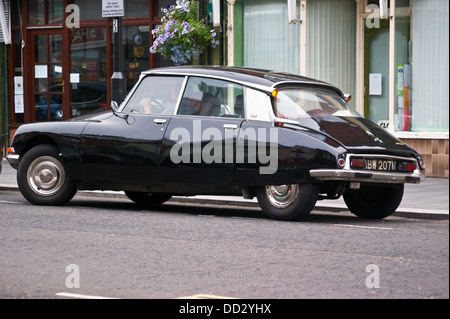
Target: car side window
x,y
211,97
155,95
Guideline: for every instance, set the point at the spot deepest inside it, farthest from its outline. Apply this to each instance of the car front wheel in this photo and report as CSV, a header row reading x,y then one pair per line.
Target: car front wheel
x,y
374,202
287,202
42,178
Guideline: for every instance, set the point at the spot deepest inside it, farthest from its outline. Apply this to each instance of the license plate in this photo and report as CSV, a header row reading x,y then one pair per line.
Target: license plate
x,y
380,165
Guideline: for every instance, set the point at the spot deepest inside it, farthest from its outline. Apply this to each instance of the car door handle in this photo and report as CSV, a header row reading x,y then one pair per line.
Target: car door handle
x,y
230,127
160,121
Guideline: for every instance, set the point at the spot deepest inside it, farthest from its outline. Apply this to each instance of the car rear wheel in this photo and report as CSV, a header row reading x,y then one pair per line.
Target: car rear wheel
x,y
42,178
287,202
374,202
148,199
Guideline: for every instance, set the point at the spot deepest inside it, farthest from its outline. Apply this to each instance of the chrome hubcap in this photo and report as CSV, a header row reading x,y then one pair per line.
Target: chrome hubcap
x,y
45,176
282,196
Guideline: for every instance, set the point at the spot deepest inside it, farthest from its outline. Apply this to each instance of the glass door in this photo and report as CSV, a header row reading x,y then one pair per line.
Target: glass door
x,y
47,83
387,67
376,71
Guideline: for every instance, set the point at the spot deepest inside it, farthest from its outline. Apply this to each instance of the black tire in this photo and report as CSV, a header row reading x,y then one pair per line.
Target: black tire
x,y
288,202
42,178
148,199
374,202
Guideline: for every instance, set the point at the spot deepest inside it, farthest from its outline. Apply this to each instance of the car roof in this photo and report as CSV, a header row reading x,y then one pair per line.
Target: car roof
x,y
265,80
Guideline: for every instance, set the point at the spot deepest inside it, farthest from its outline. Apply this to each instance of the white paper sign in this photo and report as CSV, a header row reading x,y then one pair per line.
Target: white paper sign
x,y
18,103
40,71
375,83
18,85
74,77
112,8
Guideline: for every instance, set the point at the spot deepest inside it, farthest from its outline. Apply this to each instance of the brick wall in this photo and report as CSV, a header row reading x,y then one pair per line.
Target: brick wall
x,y
434,153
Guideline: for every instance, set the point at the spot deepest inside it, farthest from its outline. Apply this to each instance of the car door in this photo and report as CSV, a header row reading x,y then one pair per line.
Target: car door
x,y
124,149
200,142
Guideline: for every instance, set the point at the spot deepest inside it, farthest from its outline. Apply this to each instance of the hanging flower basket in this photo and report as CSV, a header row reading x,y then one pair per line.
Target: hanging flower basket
x,y
182,34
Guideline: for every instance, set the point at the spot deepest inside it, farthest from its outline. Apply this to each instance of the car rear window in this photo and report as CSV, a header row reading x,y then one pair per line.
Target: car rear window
x,y
297,103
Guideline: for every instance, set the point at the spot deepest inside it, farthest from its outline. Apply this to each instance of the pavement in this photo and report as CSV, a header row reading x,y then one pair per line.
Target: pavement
x,y
429,199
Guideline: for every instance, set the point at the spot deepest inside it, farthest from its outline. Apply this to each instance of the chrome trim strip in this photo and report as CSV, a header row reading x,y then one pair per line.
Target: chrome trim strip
x,y
180,96
366,176
259,87
13,159
348,174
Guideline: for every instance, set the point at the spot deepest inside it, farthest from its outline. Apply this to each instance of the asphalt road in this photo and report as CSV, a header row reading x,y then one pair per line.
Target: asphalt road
x,y
109,247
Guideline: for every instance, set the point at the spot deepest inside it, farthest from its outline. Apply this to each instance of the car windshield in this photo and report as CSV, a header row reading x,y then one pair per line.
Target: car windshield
x,y
297,103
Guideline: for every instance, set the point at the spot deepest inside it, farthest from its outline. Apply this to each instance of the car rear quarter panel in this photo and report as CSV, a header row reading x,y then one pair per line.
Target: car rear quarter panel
x,y
299,150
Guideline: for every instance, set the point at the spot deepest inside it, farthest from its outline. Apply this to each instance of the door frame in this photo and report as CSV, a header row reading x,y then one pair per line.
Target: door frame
x,y
30,75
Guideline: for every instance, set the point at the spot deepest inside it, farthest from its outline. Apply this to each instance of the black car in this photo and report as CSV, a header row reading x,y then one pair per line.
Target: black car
x,y
285,139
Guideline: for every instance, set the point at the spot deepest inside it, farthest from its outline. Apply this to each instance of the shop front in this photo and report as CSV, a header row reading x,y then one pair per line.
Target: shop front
x,y
61,56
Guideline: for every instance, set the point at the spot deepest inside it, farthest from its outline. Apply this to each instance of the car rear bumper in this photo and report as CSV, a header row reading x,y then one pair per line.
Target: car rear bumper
x,y
366,176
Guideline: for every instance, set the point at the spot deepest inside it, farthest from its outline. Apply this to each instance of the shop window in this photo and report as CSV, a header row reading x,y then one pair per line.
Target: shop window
x,y
36,12
88,76
270,45
55,11
45,12
403,75
430,66
16,13
136,9
17,109
89,10
136,53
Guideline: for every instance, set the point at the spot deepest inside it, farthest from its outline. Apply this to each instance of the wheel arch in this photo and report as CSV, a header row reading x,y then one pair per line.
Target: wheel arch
x,y
36,140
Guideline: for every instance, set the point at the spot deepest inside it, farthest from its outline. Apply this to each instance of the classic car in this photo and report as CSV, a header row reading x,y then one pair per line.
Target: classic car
x,y
208,130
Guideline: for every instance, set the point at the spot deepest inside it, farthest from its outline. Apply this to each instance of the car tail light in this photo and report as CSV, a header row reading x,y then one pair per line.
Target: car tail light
x,y
357,163
10,150
421,162
341,162
406,166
